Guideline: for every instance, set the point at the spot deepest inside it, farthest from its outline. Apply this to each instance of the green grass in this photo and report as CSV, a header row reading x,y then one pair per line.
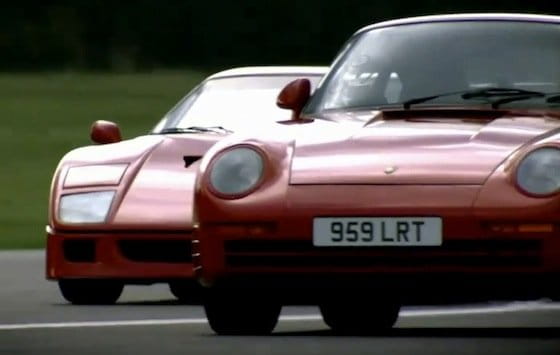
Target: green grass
x,y
45,115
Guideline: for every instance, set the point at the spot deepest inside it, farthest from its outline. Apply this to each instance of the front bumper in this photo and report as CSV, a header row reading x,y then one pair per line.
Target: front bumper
x,y
459,271
132,256
475,259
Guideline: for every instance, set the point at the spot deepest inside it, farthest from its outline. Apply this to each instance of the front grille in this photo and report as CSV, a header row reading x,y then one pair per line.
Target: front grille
x,y
465,253
82,250
156,251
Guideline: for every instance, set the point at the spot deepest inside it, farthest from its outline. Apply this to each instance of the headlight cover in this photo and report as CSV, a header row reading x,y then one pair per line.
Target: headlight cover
x,y
236,171
539,172
89,175
88,207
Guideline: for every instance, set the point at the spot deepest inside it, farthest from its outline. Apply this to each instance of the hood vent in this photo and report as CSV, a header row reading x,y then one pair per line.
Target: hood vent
x,y
189,160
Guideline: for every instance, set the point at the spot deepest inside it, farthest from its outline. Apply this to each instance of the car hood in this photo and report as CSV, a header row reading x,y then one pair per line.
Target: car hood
x,y
455,147
156,190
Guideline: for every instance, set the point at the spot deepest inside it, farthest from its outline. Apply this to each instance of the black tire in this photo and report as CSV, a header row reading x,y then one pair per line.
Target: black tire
x,y
85,291
362,317
230,315
187,291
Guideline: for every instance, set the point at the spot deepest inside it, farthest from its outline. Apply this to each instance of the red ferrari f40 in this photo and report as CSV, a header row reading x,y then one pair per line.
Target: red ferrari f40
x,y
120,212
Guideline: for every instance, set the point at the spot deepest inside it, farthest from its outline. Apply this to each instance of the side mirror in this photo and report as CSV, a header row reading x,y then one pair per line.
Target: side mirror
x,y
104,132
294,96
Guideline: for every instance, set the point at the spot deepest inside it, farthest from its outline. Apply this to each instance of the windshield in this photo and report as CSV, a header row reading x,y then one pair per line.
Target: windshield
x,y
389,66
235,103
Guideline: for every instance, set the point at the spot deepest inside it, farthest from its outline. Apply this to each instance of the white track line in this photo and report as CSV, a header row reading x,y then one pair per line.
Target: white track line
x,y
513,307
510,307
101,324
121,323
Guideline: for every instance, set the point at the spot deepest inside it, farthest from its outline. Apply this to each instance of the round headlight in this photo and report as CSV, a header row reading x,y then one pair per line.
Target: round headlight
x,y
236,171
539,172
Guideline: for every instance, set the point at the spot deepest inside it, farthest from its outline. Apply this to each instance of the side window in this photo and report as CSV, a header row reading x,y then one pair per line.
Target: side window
x,y
394,88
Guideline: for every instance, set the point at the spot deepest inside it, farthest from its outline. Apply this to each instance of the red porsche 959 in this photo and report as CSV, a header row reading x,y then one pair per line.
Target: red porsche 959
x,y
121,212
449,192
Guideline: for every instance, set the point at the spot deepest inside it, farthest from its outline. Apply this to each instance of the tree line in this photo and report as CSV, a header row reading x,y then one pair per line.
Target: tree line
x,y
145,34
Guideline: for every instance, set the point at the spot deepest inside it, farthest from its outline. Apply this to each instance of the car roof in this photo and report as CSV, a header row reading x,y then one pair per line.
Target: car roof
x,y
465,17
270,70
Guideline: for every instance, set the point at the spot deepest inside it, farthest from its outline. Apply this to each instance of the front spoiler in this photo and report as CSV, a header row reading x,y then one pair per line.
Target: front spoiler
x,y
109,261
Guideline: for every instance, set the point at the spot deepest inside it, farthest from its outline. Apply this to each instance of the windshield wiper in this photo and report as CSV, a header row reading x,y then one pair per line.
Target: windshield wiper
x,y
507,95
550,98
217,129
195,129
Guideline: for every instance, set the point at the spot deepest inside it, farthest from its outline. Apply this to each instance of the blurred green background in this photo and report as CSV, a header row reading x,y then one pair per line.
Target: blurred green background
x,y
67,63
44,115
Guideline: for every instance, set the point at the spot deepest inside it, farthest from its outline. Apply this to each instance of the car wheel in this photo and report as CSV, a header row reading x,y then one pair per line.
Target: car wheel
x,y
230,315
187,291
91,291
362,317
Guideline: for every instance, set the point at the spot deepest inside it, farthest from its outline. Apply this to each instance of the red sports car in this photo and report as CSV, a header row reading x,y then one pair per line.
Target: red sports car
x,y
448,192
121,213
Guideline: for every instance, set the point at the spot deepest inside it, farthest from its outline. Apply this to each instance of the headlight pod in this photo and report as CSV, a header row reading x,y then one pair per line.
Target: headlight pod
x,y
538,173
89,175
88,207
236,172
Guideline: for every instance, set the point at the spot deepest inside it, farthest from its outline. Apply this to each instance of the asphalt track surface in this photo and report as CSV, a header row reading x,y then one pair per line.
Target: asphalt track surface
x,y
35,320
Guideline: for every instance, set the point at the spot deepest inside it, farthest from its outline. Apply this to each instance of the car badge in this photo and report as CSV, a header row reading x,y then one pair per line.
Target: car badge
x,y
390,169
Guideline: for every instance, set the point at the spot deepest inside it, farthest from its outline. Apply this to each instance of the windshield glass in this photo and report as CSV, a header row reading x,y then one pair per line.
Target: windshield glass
x,y
234,103
391,65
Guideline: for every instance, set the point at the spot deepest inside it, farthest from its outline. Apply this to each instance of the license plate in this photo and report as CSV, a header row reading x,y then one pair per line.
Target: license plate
x,y
377,231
